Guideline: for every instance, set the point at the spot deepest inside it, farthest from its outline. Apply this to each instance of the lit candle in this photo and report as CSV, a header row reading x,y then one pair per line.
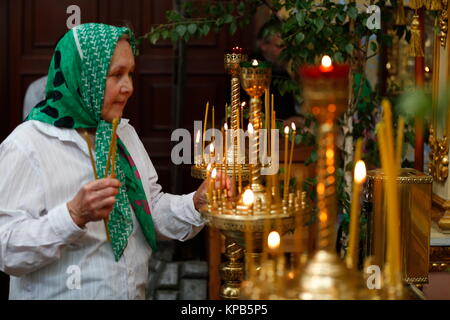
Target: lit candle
x,y
273,243
326,64
255,63
358,179
211,152
292,152
248,198
204,131
286,147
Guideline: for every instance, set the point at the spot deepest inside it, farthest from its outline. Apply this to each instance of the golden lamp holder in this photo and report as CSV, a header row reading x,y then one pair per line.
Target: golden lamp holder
x,y
235,167
325,276
243,222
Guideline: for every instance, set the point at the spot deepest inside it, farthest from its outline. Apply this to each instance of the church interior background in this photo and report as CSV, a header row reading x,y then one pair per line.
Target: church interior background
x,y
379,96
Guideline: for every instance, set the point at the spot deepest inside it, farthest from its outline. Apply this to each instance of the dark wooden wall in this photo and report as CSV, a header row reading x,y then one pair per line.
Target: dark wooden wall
x,y
30,28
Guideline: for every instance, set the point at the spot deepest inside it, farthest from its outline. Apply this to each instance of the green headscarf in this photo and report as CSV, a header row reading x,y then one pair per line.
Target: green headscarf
x,y
74,99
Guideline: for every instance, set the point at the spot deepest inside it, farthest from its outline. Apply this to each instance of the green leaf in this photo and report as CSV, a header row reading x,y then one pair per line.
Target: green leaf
x,y
373,46
228,18
299,37
319,23
165,34
349,48
181,30
338,57
300,16
241,8
154,37
206,29
233,28
352,12
192,28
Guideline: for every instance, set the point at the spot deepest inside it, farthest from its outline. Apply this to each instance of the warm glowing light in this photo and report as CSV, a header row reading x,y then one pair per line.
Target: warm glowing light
x,y
316,110
248,197
323,216
214,173
243,104
326,61
332,108
211,147
330,154
273,240
330,170
427,69
360,171
208,168
255,63
291,275
197,139
250,128
293,126
286,130
320,188
326,65
225,126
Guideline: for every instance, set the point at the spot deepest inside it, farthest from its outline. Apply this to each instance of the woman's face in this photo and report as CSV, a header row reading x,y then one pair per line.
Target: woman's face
x,y
119,82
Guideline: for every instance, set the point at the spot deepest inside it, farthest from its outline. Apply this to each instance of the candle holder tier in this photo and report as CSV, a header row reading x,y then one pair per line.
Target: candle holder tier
x,y
201,172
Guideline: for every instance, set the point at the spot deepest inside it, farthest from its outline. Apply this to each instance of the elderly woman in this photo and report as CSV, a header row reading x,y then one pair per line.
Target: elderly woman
x,y
53,240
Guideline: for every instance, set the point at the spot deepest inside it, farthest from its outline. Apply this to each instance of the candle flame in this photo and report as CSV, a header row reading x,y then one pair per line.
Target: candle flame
x,y
213,173
326,61
273,240
360,171
211,147
243,104
225,126
293,126
286,130
255,63
248,197
197,139
208,168
250,128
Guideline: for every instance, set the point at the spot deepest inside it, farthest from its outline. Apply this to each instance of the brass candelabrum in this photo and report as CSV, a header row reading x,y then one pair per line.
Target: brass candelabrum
x,y
247,218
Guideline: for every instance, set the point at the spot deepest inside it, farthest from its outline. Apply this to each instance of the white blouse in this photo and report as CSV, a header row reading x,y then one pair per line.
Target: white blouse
x,y
48,256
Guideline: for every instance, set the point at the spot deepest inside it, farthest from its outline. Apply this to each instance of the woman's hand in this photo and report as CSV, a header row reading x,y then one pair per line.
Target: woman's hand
x,y
94,201
200,196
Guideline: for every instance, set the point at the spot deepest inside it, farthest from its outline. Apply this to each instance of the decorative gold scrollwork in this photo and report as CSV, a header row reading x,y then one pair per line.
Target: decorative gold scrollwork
x,y
438,166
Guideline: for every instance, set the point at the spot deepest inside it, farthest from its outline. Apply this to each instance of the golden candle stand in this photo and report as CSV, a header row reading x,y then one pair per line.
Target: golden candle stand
x,y
245,219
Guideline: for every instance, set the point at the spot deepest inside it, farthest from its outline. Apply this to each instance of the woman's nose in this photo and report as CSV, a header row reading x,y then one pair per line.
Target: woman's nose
x,y
127,86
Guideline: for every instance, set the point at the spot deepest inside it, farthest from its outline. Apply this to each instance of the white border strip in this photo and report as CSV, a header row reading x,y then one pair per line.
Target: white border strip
x,y
75,36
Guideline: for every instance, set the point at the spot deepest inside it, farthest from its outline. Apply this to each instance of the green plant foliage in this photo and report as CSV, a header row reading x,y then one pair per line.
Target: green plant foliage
x,y
309,29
